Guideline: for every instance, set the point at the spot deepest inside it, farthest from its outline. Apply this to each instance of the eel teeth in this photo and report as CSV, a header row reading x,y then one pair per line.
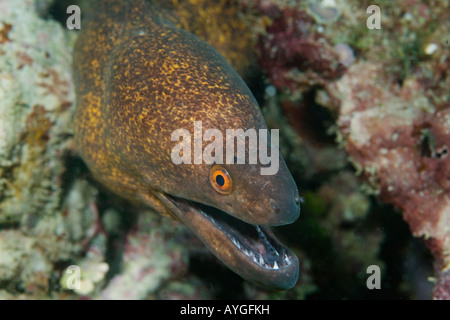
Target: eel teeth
x,y
236,243
275,266
261,260
286,258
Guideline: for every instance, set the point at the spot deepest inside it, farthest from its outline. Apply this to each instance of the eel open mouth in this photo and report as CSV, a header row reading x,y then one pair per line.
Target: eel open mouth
x,y
256,242
251,251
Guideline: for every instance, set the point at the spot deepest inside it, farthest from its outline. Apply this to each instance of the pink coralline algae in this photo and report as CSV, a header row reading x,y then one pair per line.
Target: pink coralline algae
x,y
292,43
387,89
399,141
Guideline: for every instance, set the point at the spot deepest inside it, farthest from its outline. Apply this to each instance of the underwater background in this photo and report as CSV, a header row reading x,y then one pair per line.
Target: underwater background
x,y
364,117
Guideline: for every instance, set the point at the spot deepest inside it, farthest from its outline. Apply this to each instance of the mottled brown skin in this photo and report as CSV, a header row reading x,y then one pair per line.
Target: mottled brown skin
x,y
219,23
139,77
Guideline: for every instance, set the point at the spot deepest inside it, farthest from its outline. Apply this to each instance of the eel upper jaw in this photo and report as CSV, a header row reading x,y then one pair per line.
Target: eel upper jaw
x,y
251,251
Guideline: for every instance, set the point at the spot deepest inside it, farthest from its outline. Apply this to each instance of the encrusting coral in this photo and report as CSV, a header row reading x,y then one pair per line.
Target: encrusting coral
x,y
387,93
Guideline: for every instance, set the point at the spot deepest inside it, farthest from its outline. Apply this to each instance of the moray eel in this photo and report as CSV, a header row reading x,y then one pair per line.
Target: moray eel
x,y
139,76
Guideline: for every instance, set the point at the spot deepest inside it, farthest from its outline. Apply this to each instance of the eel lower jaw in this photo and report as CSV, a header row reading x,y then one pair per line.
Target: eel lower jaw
x,y
251,251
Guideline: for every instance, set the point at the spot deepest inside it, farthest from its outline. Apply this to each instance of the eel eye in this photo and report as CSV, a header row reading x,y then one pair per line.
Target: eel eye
x,y
220,180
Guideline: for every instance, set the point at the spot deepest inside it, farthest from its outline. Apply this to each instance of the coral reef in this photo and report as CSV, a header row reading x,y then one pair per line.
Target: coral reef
x,y
35,95
398,139
150,257
382,93
292,44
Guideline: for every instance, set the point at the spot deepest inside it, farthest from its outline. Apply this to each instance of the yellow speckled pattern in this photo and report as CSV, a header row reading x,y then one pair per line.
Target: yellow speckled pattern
x,y
219,23
126,110
139,76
